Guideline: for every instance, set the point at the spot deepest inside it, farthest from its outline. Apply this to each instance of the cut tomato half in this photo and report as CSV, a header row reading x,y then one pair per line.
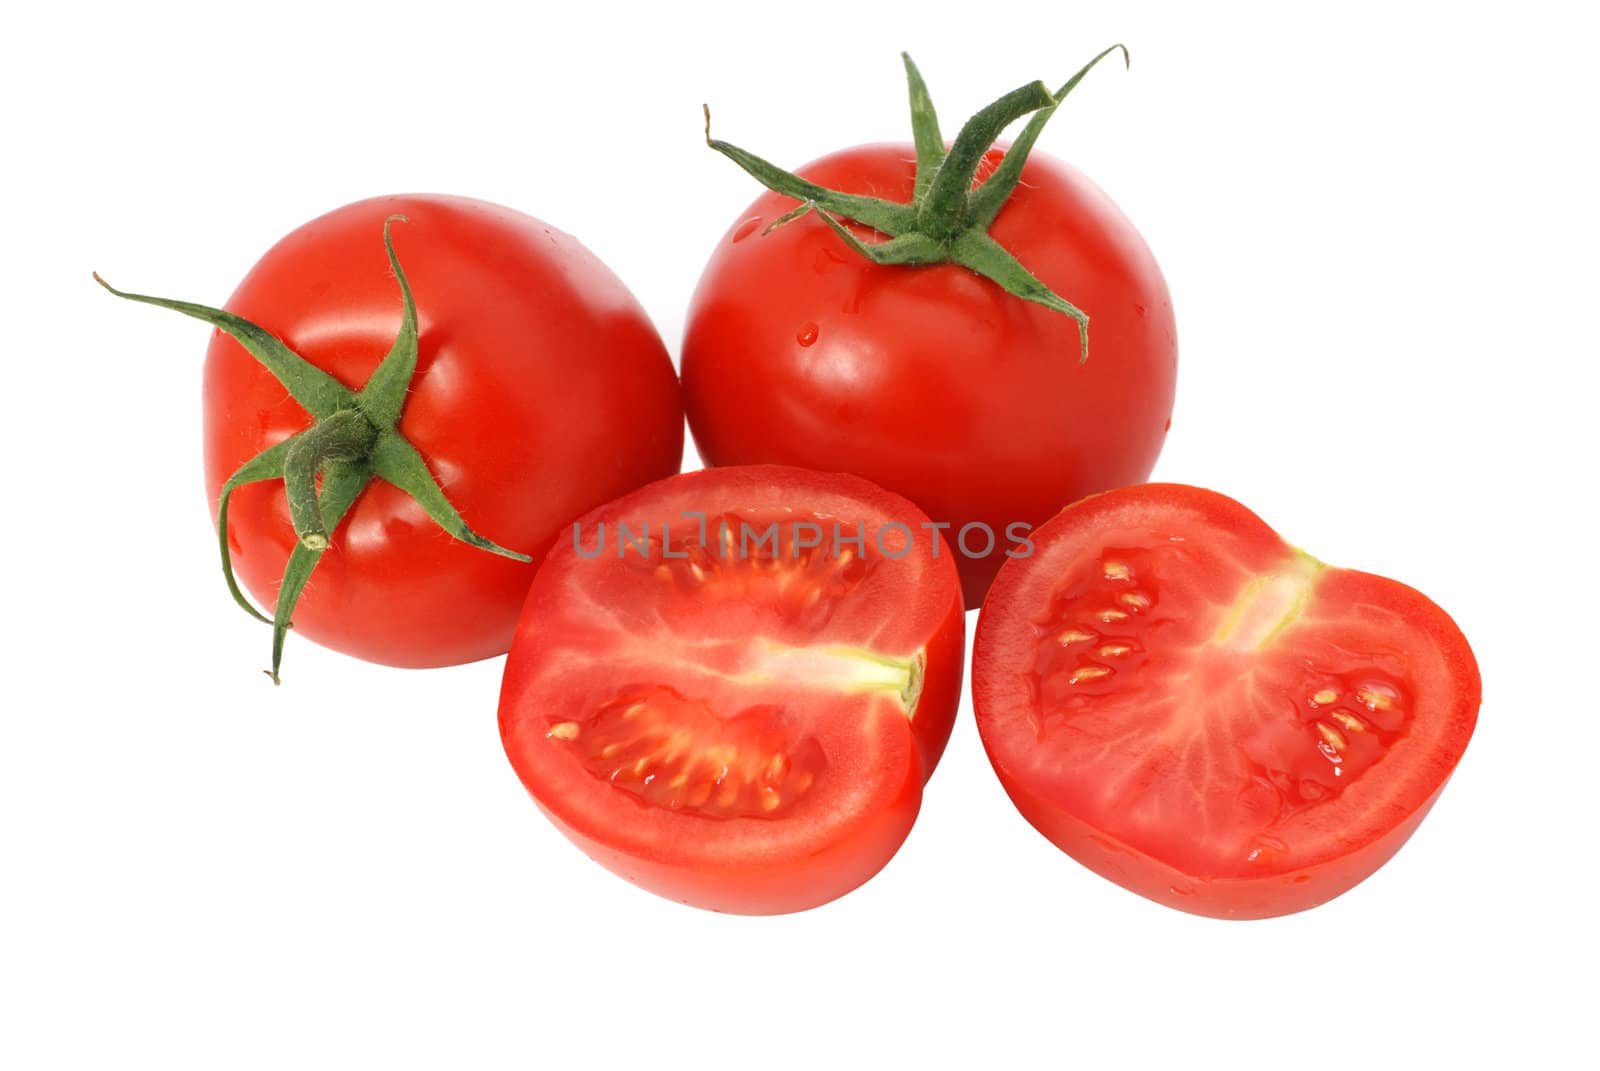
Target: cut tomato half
x,y
730,686
1204,714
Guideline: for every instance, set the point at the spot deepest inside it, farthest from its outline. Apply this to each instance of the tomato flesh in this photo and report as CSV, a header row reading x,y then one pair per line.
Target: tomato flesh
x,y
1191,706
737,722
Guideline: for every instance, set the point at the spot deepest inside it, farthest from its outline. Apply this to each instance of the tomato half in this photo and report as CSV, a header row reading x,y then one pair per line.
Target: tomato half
x,y
541,391
1204,714
932,381
738,716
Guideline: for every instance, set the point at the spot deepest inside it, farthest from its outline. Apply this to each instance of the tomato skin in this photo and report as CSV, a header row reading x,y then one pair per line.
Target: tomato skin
x,y
780,887
541,391
931,381
584,633
1364,620
1224,898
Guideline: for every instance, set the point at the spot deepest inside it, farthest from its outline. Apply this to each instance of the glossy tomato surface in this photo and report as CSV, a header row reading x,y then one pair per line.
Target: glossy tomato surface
x,y
1198,711
541,391
738,720
932,381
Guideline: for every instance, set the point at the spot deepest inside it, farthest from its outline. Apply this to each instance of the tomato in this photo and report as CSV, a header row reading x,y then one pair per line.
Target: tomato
x,y
721,694
1204,714
540,390
931,380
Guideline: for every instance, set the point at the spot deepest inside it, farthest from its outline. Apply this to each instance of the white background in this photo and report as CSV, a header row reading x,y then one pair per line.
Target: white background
x,y
1380,232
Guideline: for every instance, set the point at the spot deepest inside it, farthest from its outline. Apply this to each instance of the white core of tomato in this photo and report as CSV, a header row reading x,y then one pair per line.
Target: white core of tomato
x,y
851,670
1269,604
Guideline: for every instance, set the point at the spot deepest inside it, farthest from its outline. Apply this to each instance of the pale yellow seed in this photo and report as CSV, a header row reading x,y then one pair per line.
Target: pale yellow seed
x,y
778,766
1135,599
1334,738
812,596
1375,700
699,573
1112,650
634,711
1109,616
802,781
663,572
846,556
641,766
727,793
770,800
1089,673
1117,571
1349,721
610,750
564,730
1324,697
1074,635
676,745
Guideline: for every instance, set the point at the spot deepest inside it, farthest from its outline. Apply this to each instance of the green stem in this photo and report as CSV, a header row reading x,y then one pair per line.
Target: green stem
x,y
345,436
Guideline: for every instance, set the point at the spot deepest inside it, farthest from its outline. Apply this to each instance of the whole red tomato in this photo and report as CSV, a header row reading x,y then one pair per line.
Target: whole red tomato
x,y
928,378
539,391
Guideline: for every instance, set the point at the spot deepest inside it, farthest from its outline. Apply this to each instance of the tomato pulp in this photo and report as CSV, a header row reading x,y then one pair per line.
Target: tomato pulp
x,y
541,391
1202,713
720,701
932,381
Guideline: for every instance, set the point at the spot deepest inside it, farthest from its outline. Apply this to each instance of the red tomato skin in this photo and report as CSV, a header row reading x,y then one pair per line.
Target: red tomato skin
x,y
1223,898
932,381
779,889
1368,838
541,391
941,687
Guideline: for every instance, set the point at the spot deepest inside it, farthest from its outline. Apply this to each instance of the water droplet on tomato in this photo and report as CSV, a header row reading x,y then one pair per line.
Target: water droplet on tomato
x,y
827,259
746,229
807,334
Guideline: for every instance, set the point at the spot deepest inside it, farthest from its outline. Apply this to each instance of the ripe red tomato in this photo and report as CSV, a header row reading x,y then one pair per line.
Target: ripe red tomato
x,y
1204,714
933,381
541,390
737,718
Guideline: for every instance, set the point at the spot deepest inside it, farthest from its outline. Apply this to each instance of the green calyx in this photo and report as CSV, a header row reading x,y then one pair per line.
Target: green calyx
x,y
354,438
947,221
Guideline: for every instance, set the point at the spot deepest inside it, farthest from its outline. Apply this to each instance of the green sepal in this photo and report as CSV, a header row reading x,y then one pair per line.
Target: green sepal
x,y
267,465
316,391
395,460
924,129
943,211
342,484
993,261
988,199
907,249
385,393
874,212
